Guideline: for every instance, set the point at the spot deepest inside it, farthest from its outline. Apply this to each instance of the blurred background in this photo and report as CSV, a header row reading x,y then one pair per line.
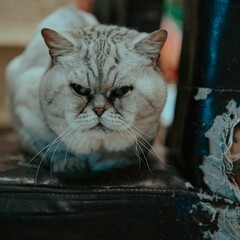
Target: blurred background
x,y
18,20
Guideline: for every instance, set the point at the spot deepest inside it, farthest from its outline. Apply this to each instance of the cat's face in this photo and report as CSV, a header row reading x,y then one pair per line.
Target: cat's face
x,y
103,87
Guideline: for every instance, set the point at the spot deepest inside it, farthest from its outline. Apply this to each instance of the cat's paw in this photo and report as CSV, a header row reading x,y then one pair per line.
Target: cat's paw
x,y
72,165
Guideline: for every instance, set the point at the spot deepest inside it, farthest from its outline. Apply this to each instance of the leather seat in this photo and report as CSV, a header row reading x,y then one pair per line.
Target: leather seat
x,y
135,203
124,204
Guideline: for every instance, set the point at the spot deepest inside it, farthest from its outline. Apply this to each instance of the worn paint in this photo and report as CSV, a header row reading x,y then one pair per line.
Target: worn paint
x,y
202,93
218,165
224,217
188,185
227,219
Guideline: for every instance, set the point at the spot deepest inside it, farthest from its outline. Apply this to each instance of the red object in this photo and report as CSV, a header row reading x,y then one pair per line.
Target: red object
x,y
170,54
85,5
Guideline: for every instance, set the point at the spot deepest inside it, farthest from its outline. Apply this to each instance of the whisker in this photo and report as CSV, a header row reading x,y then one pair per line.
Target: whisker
x,y
135,144
138,142
151,149
61,126
49,145
51,162
73,139
60,138
137,129
42,159
145,158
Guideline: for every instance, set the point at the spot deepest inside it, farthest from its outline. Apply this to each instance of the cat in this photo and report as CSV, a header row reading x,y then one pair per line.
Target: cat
x,y
87,96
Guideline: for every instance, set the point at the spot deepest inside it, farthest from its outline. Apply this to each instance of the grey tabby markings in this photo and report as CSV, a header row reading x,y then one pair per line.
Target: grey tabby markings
x,y
99,60
102,48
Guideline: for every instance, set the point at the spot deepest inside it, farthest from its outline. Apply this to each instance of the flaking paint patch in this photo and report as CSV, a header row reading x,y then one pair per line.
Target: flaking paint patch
x,y
202,93
218,164
216,167
214,198
224,215
188,185
227,219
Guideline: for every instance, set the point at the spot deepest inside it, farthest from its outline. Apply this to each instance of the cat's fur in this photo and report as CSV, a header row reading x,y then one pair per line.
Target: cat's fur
x,y
103,59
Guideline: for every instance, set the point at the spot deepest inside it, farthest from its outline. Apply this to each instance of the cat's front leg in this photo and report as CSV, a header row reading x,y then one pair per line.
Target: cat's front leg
x,y
70,165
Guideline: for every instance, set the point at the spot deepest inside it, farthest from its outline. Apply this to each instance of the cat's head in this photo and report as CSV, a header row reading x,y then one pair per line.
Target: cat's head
x,y
103,87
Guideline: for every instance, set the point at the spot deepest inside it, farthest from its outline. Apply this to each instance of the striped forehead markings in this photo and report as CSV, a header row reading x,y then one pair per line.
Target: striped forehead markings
x,y
102,49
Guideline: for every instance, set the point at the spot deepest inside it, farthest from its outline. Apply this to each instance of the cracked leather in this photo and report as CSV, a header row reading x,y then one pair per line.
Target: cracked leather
x,y
124,204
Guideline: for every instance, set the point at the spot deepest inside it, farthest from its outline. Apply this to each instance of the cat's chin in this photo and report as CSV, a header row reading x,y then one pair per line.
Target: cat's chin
x,y
99,131
101,128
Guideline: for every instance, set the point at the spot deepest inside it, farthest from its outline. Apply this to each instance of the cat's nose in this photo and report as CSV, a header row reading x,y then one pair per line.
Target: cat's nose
x,y
99,111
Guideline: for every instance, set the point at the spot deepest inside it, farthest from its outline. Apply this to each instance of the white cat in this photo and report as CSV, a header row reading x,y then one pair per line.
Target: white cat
x,y
94,100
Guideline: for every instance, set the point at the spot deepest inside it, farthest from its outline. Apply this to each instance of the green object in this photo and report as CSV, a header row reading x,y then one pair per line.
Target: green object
x,y
173,9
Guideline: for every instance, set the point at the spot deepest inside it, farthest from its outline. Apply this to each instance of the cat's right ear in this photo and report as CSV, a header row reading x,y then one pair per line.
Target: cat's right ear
x,y
57,44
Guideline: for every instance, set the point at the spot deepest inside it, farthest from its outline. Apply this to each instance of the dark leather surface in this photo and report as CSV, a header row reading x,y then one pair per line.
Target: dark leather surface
x,y
131,203
115,213
15,170
124,204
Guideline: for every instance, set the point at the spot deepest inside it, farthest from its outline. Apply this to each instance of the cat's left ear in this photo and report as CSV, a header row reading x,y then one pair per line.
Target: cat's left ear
x,y
57,44
152,44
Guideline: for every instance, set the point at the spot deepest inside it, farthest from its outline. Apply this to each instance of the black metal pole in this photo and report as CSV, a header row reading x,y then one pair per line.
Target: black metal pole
x,y
209,80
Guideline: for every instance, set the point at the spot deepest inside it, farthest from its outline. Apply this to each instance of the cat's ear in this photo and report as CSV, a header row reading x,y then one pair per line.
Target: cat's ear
x,y
57,44
152,44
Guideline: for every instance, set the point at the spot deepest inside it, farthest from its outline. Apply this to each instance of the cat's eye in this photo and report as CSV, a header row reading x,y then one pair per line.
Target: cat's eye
x,y
80,90
119,92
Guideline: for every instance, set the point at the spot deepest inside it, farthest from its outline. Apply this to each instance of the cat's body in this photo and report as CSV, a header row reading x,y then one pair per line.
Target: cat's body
x,y
98,91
